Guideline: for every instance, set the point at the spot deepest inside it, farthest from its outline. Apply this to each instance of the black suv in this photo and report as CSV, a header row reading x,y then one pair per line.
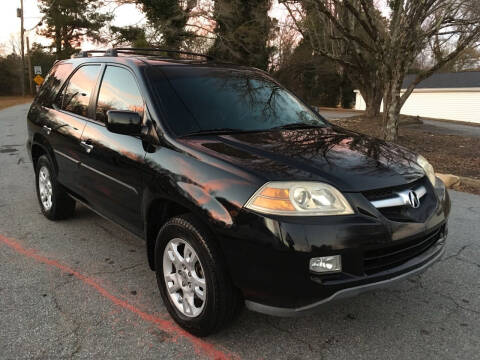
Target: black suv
x,y
242,192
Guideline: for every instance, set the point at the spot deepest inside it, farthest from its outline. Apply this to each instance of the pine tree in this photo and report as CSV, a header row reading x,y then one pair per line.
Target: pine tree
x,y
243,30
69,22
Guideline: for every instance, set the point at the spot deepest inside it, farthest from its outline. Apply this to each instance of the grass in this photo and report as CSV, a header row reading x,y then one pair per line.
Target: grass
x,y
7,101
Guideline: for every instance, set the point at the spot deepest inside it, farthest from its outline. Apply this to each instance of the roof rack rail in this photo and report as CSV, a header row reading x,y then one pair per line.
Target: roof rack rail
x,y
146,51
85,53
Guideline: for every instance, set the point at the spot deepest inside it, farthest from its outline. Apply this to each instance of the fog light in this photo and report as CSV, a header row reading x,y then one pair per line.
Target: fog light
x,y
326,264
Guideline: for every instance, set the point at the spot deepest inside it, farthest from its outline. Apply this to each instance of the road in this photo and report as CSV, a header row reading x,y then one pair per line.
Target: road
x,y
338,114
447,128
82,289
428,125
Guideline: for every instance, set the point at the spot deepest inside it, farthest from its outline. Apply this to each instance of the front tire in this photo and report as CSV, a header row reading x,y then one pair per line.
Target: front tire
x,y
54,201
192,277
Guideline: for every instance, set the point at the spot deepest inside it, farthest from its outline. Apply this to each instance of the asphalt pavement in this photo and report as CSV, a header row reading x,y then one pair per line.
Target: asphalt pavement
x,y
337,114
429,125
82,289
447,128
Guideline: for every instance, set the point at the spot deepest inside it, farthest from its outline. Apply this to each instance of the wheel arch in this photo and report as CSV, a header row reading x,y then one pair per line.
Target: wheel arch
x,y
40,147
157,213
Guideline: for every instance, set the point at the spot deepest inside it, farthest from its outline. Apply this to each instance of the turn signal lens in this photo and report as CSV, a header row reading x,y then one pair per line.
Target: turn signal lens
x,y
299,198
274,204
275,193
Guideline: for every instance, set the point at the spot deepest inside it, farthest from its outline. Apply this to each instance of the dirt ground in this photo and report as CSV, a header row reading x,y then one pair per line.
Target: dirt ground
x,y
449,154
7,101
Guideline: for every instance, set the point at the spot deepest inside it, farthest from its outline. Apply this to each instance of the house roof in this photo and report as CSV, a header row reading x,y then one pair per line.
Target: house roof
x,y
453,80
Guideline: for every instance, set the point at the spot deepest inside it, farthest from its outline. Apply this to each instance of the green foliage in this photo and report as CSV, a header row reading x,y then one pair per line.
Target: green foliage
x,y
68,22
168,18
10,78
39,57
243,29
130,35
314,78
11,67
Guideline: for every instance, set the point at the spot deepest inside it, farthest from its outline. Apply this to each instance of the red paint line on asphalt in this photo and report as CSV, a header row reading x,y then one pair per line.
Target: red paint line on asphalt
x,y
201,346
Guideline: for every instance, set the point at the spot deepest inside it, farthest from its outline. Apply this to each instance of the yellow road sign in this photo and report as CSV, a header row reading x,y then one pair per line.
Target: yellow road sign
x,y
38,79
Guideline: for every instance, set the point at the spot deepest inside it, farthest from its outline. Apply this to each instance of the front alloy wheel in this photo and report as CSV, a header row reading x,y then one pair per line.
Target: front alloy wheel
x,y
184,277
192,276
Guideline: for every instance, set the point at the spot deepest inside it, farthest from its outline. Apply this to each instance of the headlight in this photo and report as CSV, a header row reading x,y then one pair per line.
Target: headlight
x,y
299,198
427,167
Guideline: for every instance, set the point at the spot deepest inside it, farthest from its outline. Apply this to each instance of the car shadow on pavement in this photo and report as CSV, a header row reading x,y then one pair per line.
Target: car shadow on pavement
x,y
423,312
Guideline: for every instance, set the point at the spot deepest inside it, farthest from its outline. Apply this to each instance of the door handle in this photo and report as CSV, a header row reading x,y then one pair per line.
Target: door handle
x,y
47,129
88,147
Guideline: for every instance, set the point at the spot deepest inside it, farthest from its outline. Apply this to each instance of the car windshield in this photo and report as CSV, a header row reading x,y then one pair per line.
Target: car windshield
x,y
209,100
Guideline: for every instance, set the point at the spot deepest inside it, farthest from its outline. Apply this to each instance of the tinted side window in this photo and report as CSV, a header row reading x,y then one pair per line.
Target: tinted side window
x,y
54,81
119,91
79,89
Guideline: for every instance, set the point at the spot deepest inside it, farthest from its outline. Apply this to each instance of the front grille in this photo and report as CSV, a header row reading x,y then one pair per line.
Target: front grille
x,y
406,213
385,193
384,258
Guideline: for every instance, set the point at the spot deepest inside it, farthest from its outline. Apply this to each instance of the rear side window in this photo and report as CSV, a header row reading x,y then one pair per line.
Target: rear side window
x,y
76,95
53,83
118,91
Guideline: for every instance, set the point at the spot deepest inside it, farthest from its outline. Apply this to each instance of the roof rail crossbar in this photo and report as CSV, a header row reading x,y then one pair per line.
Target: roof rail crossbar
x,y
145,51
85,53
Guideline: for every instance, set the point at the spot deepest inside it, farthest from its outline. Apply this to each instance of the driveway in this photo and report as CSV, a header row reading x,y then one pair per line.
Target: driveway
x,y
338,114
82,288
447,128
429,125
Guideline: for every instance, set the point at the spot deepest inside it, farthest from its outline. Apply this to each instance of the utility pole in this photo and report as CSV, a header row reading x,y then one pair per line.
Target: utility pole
x,y
22,31
29,64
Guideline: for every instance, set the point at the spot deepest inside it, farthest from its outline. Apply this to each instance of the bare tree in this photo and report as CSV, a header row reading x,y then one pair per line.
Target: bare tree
x,y
392,46
353,62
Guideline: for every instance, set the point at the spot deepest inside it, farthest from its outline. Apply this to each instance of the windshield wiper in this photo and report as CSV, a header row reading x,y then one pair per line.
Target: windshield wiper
x,y
221,131
217,131
293,126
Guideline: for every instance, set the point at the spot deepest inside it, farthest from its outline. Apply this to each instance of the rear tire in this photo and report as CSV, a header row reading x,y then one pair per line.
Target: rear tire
x,y
221,300
54,201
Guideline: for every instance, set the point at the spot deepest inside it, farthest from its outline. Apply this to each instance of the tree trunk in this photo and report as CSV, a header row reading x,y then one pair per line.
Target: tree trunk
x,y
391,110
58,43
373,101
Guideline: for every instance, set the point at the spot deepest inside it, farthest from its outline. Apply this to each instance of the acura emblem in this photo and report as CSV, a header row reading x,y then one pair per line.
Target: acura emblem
x,y
413,199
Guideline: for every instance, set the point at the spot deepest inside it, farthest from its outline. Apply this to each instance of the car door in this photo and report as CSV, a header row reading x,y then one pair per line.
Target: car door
x,y
111,164
67,120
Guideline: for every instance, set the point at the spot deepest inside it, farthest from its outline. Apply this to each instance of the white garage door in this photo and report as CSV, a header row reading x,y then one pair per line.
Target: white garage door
x,y
458,105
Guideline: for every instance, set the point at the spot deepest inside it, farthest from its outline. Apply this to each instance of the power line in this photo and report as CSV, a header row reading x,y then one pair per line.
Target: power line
x,y
43,17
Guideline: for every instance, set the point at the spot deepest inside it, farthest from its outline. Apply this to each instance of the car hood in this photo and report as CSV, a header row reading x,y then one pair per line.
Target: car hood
x,y
349,161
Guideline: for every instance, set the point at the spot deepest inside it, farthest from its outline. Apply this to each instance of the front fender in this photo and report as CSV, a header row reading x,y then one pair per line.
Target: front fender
x,y
205,187
191,184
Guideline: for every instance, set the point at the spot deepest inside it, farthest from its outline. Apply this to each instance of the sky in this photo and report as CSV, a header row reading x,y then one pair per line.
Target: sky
x,y
10,25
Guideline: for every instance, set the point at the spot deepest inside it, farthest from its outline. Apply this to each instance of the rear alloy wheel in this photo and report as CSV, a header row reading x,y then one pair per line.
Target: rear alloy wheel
x,y
192,277
54,201
45,188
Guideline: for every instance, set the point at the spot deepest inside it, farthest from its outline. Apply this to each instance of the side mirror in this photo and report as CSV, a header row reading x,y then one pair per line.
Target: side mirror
x,y
124,122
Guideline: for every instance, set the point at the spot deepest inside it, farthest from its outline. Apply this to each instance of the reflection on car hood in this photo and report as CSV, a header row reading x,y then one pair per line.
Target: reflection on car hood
x,y
347,160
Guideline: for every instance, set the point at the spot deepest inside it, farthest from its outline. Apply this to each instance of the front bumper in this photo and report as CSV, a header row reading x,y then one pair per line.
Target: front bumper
x,y
426,260
268,257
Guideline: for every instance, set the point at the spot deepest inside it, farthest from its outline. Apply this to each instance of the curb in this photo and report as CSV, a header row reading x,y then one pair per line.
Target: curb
x,y
456,182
